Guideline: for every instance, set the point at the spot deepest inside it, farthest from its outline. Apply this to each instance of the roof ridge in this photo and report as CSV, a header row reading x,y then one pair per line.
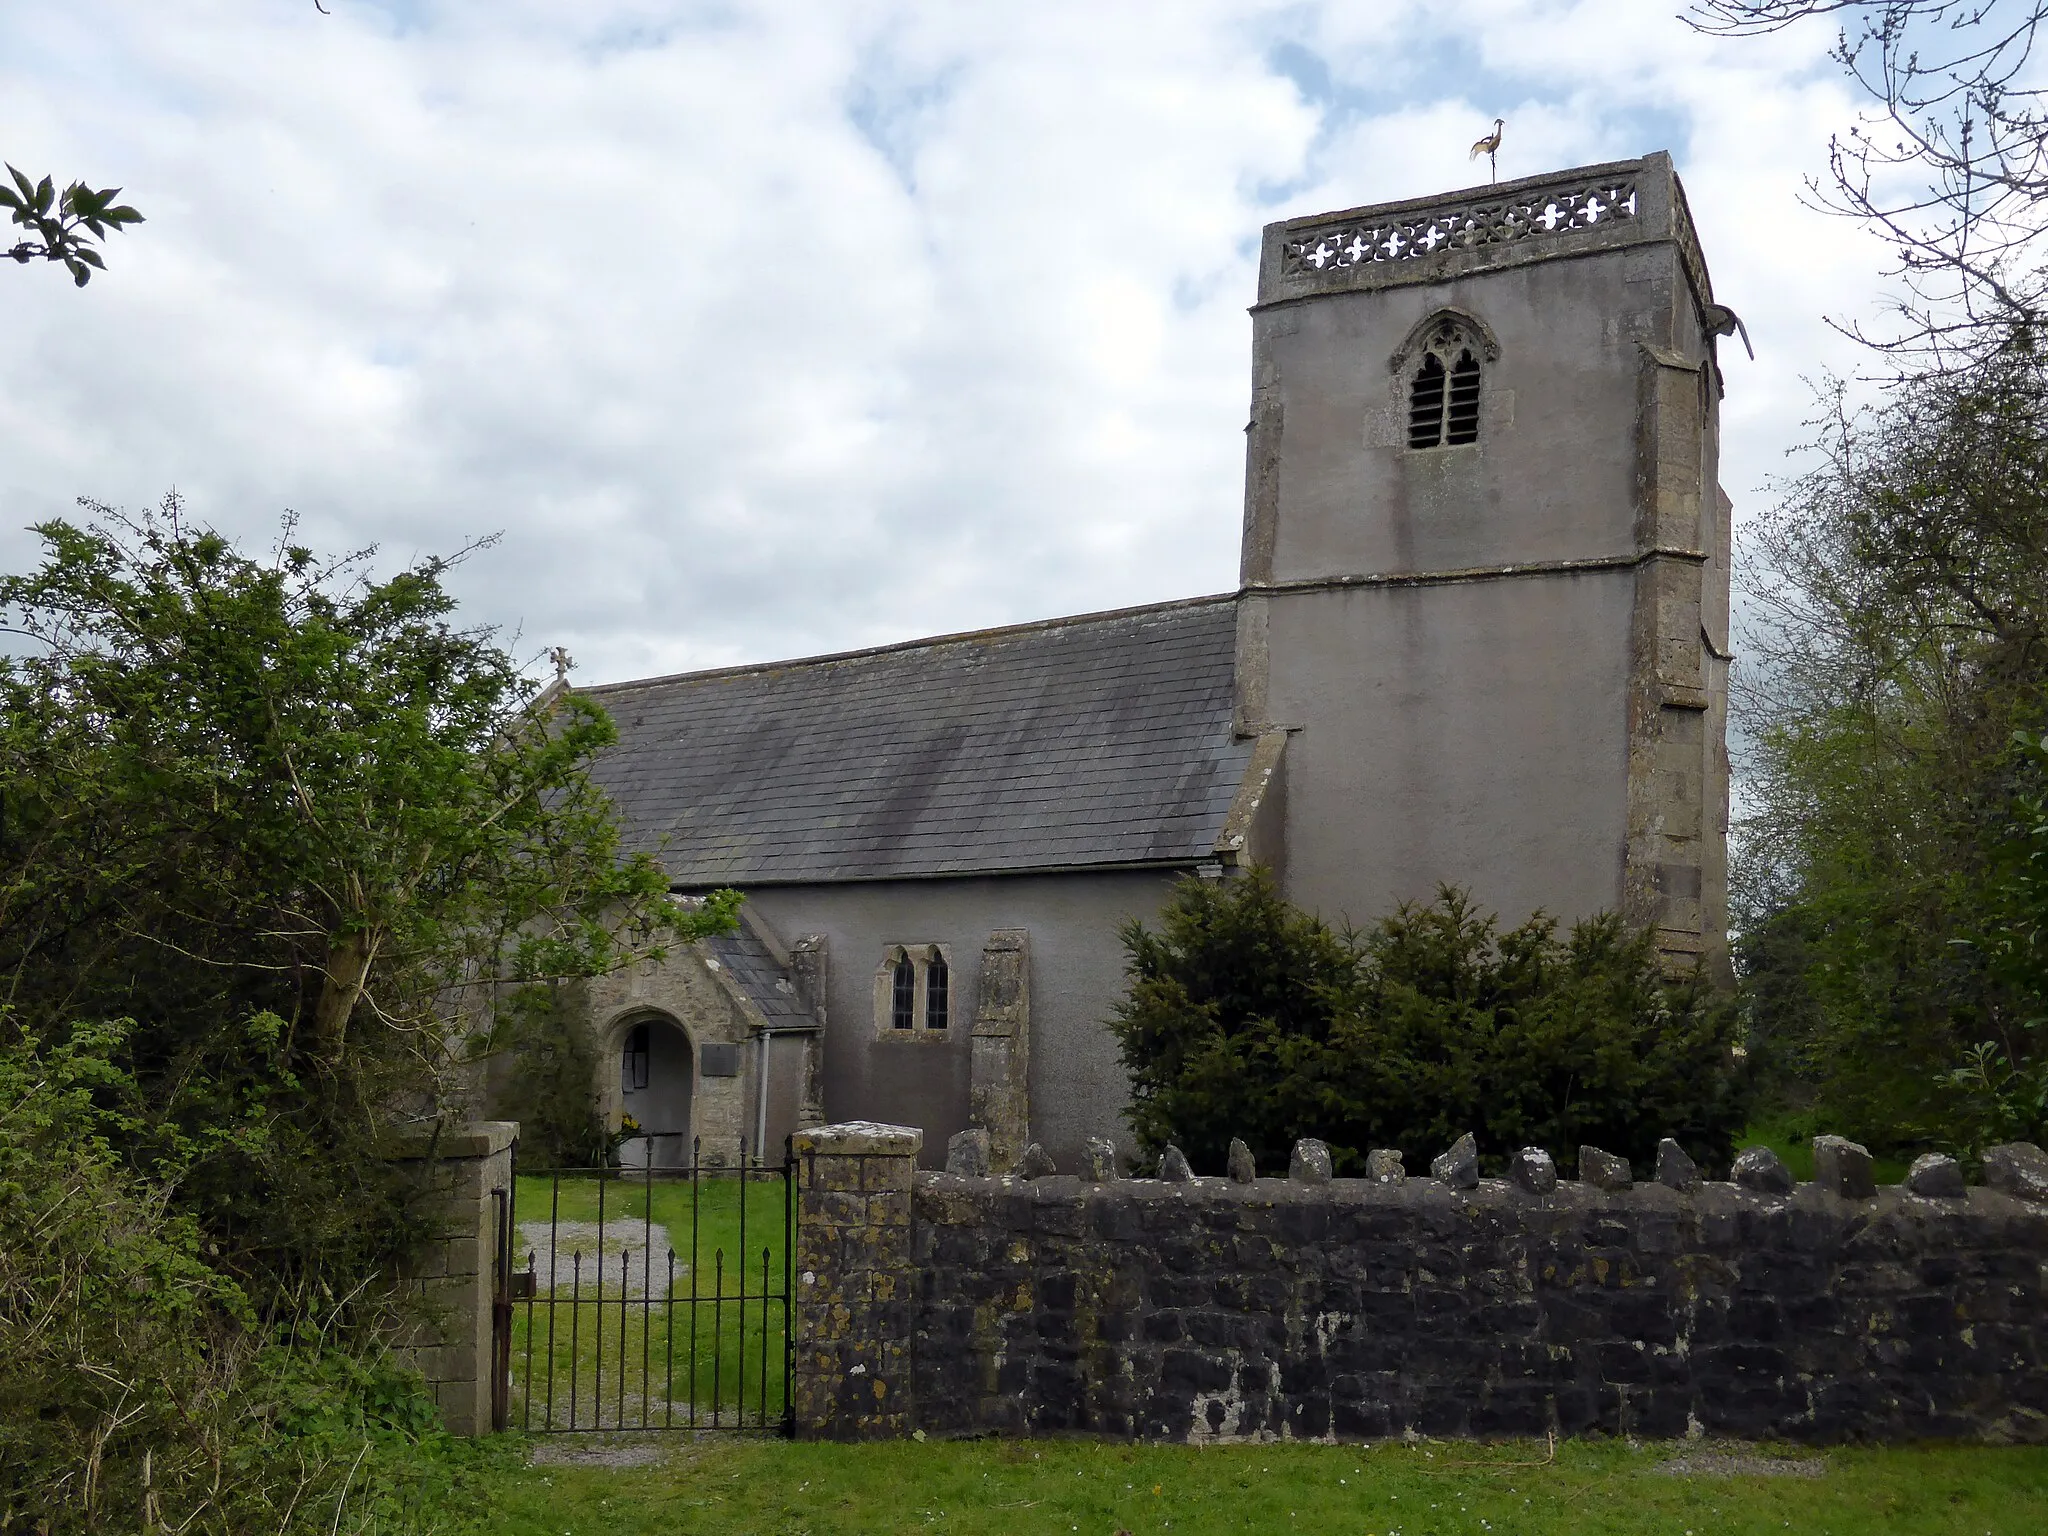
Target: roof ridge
x,y
742,669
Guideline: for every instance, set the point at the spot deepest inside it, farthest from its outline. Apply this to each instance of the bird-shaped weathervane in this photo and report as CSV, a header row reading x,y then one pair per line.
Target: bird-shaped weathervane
x,y
1490,146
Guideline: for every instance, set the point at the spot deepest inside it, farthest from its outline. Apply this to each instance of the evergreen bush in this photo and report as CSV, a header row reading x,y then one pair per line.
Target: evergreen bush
x,y
1247,1017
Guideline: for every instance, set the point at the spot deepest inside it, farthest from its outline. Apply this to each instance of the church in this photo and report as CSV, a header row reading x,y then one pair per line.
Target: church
x,y
1479,636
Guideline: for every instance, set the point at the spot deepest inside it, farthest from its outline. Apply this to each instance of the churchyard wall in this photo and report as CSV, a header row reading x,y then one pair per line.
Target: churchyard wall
x,y
1349,1309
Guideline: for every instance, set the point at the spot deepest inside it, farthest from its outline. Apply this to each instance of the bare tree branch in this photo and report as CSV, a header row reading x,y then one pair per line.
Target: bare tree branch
x,y
1949,162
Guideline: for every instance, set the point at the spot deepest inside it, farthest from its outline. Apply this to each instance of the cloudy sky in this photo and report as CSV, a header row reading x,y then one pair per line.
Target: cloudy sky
x,y
765,327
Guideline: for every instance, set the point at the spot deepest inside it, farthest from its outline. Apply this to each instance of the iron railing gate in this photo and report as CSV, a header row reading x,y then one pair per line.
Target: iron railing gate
x,y
651,1295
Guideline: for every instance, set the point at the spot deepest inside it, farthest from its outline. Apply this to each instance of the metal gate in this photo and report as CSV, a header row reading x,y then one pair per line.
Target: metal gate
x,y
649,1295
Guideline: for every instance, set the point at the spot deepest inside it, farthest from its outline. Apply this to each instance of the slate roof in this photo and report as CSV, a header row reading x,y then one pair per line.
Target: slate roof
x,y
1090,741
767,985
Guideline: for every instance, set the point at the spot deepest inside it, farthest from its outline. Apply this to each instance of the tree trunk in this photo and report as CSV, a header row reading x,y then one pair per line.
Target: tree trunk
x,y
349,958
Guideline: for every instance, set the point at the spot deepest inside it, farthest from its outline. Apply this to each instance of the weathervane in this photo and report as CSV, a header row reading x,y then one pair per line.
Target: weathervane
x,y
1490,146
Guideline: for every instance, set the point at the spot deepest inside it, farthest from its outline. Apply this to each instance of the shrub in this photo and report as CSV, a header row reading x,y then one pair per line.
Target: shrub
x,y
114,1333
137,1391
1247,1017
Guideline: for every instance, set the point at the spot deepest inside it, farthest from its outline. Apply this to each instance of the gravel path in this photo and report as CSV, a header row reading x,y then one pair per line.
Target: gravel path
x,y
628,1250
1743,1464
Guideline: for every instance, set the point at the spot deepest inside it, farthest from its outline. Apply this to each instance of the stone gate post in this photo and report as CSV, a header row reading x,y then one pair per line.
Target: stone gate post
x,y
466,1175
855,1304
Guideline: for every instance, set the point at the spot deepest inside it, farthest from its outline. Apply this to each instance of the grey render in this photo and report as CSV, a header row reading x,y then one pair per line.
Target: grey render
x,y
1501,666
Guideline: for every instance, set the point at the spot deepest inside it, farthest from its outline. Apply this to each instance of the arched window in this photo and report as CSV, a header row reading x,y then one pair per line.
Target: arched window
x,y
913,991
937,1002
1443,364
903,994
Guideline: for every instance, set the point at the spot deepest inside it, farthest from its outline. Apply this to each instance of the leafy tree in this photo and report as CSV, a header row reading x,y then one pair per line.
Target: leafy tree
x,y
300,828
1898,637
2006,1089
1247,1017
62,227
1894,648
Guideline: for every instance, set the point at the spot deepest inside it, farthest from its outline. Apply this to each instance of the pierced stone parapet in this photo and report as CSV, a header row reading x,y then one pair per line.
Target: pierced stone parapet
x,y
1463,226
1566,213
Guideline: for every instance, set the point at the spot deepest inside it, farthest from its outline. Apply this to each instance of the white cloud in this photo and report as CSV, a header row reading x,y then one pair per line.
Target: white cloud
x,y
767,327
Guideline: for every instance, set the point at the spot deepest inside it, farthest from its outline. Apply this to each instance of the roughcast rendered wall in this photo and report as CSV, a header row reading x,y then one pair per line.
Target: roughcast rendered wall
x,y
1078,1086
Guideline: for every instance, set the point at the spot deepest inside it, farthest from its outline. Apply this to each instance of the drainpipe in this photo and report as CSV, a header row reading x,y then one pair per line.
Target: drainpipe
x,y
761,1094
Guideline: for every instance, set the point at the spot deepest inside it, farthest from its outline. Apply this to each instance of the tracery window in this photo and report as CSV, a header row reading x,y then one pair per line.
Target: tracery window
x,y
1443,364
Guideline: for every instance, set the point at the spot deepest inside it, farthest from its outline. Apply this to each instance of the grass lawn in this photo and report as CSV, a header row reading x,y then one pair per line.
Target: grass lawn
x,y
774,1488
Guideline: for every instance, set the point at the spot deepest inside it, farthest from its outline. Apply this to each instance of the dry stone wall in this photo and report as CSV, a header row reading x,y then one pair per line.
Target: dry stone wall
x,y
1352,1309
1187,1308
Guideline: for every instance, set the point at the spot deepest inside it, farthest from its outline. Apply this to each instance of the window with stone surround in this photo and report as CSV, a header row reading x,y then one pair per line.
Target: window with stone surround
x,y
913,992
1442,365
633,1060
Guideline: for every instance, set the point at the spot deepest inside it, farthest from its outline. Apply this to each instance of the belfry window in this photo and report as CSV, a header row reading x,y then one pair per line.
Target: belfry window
x,y
903,995
1443,404
1442,363
937,1004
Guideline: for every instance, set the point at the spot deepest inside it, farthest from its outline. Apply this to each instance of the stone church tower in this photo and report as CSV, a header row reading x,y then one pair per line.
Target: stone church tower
x,y
1482,634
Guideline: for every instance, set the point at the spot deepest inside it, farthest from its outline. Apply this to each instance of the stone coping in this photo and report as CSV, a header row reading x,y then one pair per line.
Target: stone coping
x,y
1491,1194
474,1138
860,1138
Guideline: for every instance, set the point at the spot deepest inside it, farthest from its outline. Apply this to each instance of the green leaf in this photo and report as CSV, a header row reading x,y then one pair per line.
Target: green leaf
x,y
46,192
